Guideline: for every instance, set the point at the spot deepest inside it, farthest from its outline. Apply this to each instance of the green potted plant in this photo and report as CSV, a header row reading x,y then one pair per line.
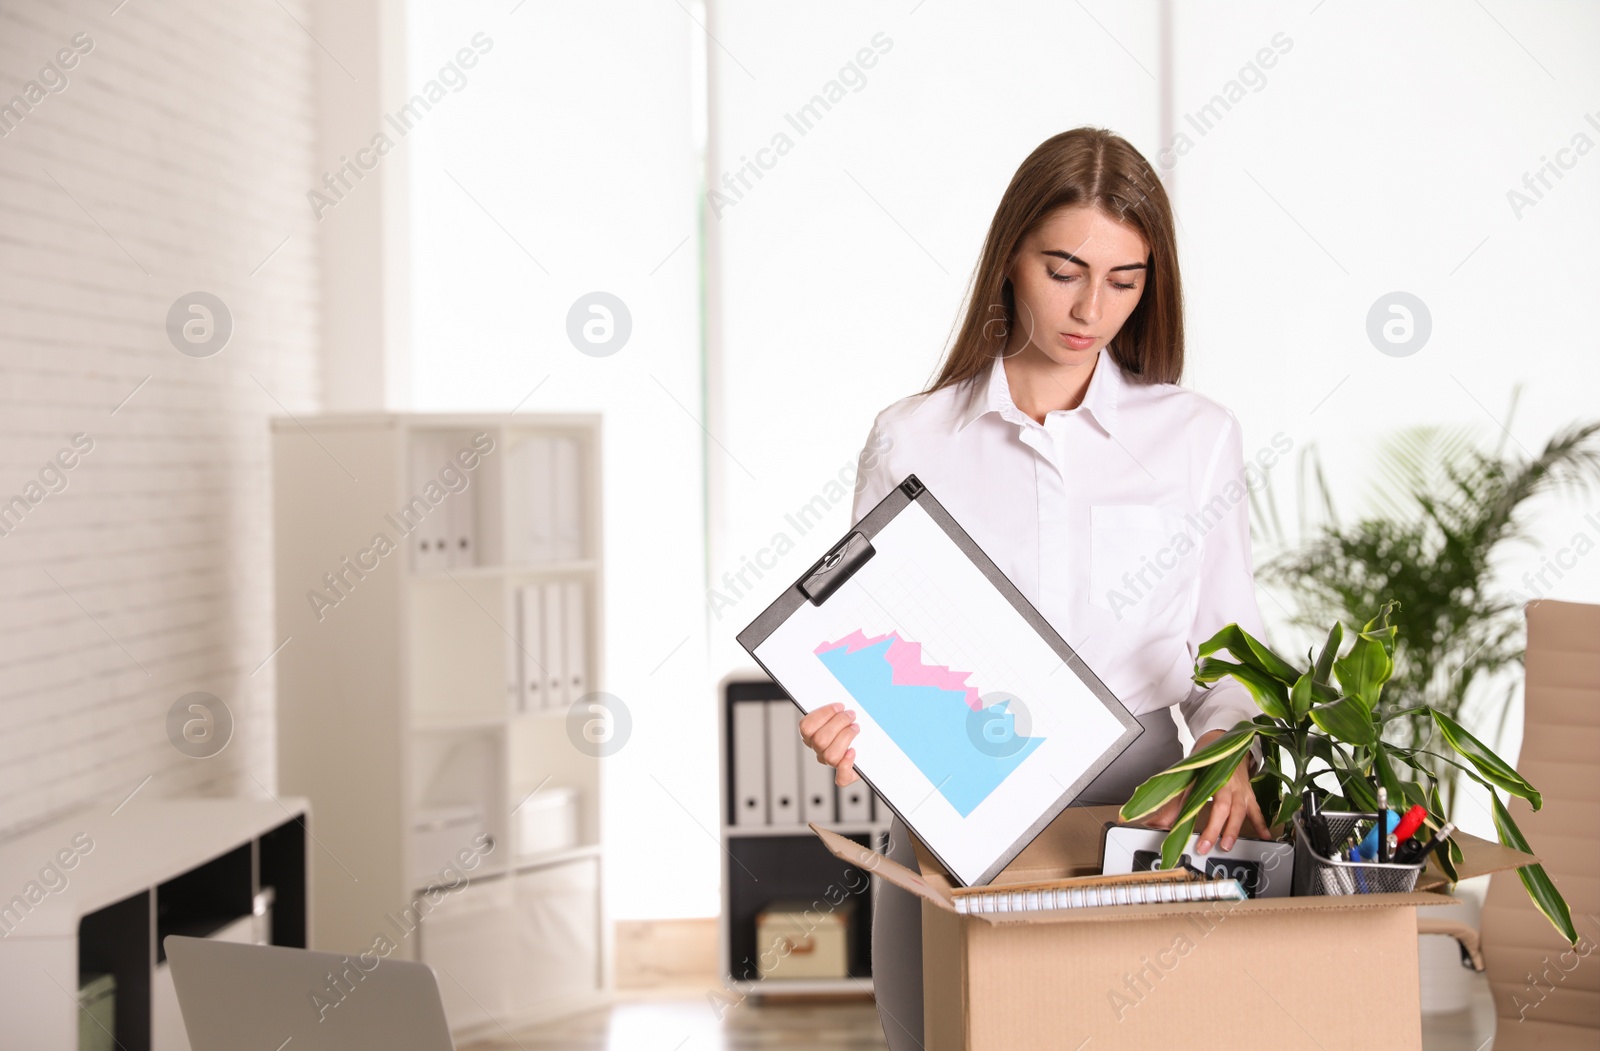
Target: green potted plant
x,y
1445,513
1328,721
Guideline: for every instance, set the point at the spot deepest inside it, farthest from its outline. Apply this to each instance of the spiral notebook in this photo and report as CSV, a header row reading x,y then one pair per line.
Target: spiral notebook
x,y
1088,892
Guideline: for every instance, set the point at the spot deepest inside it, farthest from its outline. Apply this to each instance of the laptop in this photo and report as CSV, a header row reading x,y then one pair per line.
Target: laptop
x,y
235,996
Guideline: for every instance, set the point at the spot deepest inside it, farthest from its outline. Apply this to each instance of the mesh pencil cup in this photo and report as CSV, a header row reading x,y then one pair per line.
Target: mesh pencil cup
x,y
1320,875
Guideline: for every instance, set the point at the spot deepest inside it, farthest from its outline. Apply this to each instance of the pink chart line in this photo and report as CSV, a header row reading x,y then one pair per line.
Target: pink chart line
x,y
907,668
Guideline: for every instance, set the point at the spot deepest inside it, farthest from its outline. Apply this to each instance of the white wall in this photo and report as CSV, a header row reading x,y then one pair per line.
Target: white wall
x,y
843,269
564,164
1380,159
361,199
176,157
1348,187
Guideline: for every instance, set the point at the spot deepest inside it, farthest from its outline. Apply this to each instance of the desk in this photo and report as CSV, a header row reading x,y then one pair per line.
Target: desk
x,y
95,891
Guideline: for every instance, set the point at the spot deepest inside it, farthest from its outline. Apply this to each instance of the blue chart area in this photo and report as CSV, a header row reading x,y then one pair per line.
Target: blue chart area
x,y
931,714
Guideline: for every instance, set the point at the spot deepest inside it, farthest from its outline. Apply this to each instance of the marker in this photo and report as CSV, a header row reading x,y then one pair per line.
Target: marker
x,y
1415,850
1410,823
1369,845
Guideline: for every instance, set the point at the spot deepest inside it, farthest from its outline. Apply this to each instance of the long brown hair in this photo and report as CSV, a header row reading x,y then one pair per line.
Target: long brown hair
x,y
1084,166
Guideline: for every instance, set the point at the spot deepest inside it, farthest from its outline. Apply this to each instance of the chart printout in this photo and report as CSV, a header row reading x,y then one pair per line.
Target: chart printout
x,y
971,725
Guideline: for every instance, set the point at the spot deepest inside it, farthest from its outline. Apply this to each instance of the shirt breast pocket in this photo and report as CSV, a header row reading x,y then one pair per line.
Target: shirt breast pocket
x,y
1141,559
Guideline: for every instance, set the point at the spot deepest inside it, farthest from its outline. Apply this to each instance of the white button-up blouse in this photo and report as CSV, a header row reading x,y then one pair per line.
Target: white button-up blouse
x,y
1125,521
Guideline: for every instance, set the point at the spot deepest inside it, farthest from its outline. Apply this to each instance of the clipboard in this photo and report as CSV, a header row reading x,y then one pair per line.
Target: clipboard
x,y
894,621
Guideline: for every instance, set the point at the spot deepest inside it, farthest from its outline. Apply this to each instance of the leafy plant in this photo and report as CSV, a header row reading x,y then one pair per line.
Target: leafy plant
x,y
1329,720
1446,510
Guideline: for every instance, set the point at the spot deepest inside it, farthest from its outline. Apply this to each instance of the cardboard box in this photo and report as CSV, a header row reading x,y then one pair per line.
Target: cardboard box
x,y
1311,972
803,942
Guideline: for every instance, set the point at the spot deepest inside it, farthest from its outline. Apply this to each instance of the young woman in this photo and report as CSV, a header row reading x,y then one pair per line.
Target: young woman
x,y
1113,498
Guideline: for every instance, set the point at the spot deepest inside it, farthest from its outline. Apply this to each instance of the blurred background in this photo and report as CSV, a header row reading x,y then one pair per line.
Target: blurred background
x,y
1386,218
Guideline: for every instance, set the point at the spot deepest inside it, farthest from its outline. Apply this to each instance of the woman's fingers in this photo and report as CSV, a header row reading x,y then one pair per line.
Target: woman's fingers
x,y
1237,811
1219,815
828,732
846,769
833,753
813,720
1167,813
1258,819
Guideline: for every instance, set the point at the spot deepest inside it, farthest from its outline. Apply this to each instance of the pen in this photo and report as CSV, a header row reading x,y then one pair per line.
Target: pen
x,y
1317,830
1381,830
1316,825
1441,841
1361,878
1336,878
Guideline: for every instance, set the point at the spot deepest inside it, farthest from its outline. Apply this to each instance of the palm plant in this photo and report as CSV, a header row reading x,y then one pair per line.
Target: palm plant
x,y
1446,508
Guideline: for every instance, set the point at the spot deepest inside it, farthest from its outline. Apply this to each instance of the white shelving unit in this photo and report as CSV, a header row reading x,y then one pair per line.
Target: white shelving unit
x,y
123,877
764,863
421,700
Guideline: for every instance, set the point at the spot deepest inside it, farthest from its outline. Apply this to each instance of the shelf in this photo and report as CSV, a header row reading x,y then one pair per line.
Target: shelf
x,y
555,857
538,713
855,828
801,986
531,863
158,867
523,569
767,863
405,699
428,721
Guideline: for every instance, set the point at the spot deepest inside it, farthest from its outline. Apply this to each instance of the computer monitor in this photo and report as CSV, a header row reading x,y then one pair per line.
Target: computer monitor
x,y
265,996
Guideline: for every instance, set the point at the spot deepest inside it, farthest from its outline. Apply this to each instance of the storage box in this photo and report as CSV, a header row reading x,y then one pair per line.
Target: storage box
x,y
1311,972
796,939
547,821
440,833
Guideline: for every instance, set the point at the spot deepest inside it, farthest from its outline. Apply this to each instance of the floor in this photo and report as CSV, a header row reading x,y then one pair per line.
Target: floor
x,y
685,1020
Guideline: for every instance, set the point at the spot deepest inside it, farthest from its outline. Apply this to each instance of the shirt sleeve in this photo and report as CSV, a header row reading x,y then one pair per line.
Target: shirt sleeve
x,y
874,477
1227,591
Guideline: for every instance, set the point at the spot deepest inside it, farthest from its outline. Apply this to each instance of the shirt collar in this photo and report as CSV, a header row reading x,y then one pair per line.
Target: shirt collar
x,y
989,392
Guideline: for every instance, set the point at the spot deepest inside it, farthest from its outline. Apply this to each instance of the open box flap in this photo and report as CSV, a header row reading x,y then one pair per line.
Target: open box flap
x,y
873,862
1069,846
1479,857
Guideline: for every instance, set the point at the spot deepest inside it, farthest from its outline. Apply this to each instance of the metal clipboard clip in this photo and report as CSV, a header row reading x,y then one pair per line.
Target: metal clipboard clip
x,y
836,567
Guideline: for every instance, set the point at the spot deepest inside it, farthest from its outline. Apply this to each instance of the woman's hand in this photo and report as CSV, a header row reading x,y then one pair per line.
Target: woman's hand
x,y
1234,802
828,731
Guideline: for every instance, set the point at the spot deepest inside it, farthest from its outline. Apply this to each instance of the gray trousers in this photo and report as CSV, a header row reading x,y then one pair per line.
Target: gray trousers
x,y
897,914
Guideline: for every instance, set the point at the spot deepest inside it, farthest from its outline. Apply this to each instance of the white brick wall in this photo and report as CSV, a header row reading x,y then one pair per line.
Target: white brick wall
x,y
176,158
